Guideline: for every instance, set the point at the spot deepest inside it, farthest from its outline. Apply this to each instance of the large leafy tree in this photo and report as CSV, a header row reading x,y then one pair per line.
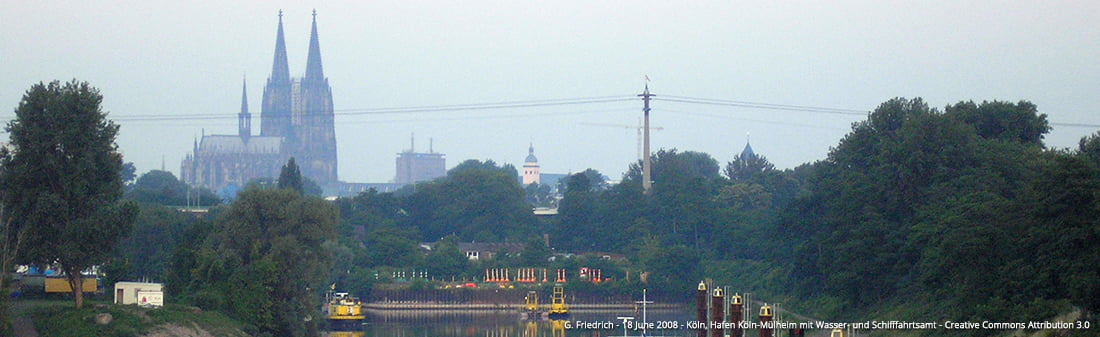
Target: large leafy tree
x,y
62,180
580,210
870,189
681,205
963,205
265,260
476,201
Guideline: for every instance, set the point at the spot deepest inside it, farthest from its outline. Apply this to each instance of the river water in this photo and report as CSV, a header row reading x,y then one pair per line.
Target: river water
x,y
511,324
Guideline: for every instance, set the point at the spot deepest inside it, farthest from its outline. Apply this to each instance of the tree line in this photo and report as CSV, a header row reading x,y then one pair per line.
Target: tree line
x,y
963,204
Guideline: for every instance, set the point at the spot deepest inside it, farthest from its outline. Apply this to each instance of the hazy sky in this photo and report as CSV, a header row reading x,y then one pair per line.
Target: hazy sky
x,y
157,60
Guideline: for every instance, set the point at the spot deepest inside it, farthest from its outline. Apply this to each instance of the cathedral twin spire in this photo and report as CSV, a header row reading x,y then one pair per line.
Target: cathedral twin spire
x,y
300,109
280,69
296,121
278,101
314,71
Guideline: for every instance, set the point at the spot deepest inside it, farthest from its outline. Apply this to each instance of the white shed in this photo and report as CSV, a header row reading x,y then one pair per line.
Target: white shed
x,y
139,293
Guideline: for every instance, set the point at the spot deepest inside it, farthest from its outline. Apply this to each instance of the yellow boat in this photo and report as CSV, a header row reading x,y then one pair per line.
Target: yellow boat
x,y
531,302
558,308
531,309
342,307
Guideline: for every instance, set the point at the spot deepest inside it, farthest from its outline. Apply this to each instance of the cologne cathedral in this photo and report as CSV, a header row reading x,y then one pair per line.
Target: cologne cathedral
x,y
296,120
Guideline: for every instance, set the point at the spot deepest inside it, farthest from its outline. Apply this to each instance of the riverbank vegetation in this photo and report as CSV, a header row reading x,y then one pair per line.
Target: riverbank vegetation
x,y
963,205
58,318
918,214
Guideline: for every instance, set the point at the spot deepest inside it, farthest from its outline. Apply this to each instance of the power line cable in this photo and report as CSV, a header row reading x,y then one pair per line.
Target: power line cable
x,y
537,103
787,107
406,110
759,105
730,117
1076,125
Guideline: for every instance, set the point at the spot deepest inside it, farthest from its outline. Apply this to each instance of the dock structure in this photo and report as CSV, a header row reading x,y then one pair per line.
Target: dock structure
x,y
766,316
701,307
717,317
719,314
737,314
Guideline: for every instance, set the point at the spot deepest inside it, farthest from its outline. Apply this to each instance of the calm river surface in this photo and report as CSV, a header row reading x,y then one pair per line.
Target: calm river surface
x,y
510,324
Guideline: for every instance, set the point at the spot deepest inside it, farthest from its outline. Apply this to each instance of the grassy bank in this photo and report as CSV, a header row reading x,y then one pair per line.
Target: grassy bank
x,y
59,318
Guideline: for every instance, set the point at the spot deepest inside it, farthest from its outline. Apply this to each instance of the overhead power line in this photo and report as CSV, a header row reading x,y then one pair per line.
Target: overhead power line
x,y
488,106
532,104
406,110
759,105
787,107
1076,125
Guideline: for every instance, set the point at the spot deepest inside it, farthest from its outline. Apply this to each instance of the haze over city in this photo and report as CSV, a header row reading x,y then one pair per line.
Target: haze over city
x,y
172,71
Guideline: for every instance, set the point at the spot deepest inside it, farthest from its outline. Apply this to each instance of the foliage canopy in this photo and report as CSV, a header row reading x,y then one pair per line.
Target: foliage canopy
x,y
265,261
62,180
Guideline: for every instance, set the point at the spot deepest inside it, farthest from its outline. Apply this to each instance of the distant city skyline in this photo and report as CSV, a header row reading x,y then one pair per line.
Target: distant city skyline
x,y
171,72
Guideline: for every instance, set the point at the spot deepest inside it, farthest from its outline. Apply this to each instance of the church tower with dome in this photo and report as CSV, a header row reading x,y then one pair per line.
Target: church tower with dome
x,y
531,173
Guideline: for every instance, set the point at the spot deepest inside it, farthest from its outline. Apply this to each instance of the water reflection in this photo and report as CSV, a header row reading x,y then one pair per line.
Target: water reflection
x,y
502,324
